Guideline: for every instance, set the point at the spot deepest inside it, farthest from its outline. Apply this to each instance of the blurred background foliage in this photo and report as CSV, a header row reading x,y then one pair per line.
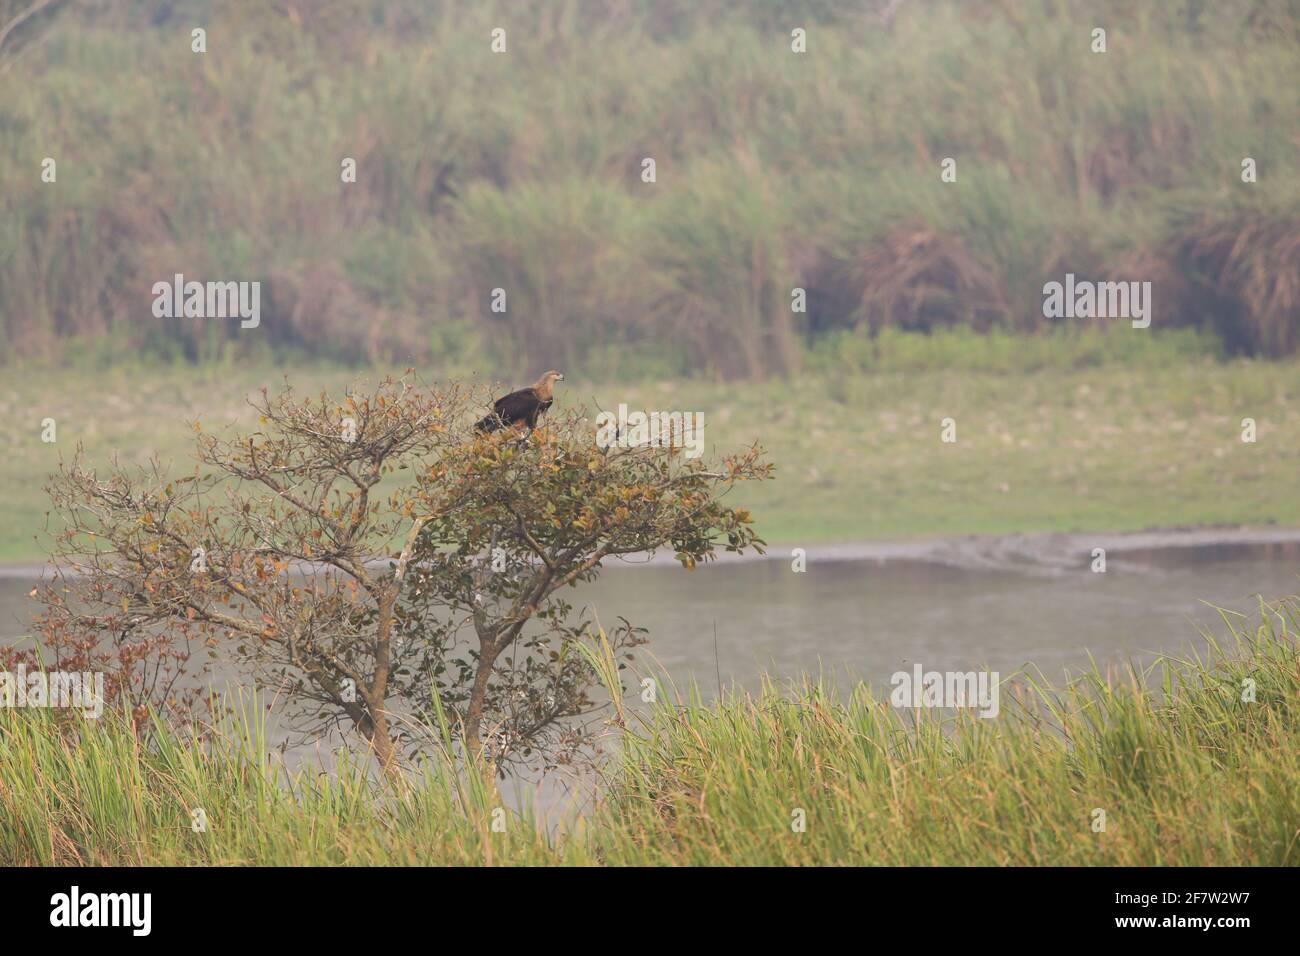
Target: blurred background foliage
x,y
523,171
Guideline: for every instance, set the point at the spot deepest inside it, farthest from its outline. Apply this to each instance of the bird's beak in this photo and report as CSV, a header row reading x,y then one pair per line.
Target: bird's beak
x,y
560,377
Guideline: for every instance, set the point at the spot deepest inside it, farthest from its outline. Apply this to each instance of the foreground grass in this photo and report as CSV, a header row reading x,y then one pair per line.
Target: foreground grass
x,y
1186,771
1051,435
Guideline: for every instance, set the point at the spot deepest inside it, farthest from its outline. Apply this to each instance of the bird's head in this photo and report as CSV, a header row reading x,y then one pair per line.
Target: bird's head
x,y
544,385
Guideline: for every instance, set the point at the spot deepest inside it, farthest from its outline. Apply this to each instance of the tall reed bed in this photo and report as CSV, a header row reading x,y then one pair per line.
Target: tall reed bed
x,y
522,171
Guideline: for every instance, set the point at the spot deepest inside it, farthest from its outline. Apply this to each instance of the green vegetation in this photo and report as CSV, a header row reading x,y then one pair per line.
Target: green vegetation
x,y
1187,770
1092,432
774,171
522,171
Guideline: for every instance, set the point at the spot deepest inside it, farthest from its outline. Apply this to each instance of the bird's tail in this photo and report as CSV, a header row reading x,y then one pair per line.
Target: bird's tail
x,y
488,423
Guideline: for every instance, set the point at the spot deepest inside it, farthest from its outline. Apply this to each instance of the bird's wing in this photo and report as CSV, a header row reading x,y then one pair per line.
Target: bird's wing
x,y
541,407
516,406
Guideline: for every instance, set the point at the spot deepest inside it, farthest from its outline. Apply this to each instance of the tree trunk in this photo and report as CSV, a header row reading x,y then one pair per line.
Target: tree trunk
x,y
477,697
382,743
380,739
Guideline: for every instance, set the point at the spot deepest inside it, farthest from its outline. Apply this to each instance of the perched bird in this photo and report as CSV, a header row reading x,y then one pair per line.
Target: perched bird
x,y
522,407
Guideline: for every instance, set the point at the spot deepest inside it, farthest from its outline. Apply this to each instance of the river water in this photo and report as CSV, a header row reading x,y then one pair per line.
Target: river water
x,y
868,611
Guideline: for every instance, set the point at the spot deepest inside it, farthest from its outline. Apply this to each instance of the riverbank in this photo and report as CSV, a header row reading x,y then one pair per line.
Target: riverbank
x,y
1060,445
1044,551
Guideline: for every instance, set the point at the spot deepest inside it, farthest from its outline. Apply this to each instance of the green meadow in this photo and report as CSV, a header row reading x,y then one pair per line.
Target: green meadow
x,y
1115,431
1184,763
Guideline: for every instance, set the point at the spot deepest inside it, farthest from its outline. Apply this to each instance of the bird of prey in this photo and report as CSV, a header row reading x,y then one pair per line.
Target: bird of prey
x,y
522,407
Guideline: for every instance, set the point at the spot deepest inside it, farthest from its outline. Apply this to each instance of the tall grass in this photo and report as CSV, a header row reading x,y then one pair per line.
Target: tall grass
x,y
1184,770
522,171
99,796
1189,768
